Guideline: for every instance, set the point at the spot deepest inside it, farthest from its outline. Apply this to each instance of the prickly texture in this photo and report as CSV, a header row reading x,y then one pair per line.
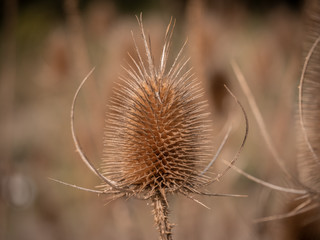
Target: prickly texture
x,y
157,131
308,166
160,213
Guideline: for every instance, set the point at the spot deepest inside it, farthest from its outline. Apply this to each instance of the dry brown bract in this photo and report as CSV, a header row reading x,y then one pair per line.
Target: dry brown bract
x,y
157,137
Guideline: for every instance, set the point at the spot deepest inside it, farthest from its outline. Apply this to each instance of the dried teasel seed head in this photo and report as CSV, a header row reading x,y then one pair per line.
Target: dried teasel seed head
x,y
157,136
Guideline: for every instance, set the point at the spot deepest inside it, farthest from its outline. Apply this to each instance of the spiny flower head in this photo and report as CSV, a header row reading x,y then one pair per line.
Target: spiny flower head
x,y
157,136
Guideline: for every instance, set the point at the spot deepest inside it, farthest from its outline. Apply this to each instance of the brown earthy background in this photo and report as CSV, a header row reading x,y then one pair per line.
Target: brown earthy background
x,y
48,47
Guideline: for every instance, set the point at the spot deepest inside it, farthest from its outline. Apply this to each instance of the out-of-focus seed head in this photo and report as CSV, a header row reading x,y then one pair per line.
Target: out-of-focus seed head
x,y
157,135
309,135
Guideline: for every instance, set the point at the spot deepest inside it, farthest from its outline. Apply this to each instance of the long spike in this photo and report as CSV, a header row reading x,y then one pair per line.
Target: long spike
x,y
177,57
218,152
235,158
245,134
147,47
77,144
166,46
139,56
266,184
77,187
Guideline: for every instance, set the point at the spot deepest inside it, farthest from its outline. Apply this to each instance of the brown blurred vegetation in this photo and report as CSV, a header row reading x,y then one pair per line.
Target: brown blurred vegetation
x,y
47,49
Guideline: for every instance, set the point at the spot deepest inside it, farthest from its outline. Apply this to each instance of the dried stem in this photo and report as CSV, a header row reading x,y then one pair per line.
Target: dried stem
x,y
160,213
258,117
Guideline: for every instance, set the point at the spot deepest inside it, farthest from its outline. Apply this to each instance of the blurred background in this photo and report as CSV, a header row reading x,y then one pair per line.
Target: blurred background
x,y
48,47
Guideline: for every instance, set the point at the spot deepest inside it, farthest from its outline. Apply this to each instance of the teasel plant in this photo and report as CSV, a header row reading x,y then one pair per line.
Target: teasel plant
x,y
157,134
307,182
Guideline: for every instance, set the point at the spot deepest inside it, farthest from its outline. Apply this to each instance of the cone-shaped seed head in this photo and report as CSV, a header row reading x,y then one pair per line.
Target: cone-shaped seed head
x,y
157,130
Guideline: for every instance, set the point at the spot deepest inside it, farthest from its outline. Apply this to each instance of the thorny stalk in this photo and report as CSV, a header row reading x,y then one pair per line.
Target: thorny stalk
x,y
161,213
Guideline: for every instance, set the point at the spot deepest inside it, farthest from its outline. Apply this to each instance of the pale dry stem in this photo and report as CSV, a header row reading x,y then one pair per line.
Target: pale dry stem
x,y
257,114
